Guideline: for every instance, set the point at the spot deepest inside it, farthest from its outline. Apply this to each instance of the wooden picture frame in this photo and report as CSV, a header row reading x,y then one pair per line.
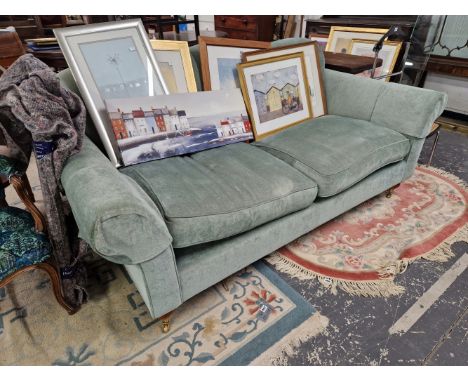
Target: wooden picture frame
x,y
204,44
183,49
283,119
351,33
313,70
388,64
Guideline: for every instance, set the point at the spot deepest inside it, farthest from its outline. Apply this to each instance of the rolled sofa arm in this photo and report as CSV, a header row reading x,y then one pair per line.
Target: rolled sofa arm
x,y
406,109
114,215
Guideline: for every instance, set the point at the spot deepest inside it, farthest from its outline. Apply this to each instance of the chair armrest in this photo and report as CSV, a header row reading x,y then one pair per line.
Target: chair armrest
x,y
114,215
406,109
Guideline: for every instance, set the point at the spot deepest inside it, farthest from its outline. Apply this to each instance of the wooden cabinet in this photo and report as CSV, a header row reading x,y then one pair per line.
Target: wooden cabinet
x,y
246,27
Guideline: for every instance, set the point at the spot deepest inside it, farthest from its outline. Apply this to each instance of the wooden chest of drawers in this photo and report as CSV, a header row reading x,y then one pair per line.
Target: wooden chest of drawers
x,y
246,27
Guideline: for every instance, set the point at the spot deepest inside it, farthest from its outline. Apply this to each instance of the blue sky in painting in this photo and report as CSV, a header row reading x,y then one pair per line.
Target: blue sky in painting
x,y
227,69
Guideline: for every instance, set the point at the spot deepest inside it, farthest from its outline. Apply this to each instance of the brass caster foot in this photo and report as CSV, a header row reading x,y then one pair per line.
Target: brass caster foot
x,y
165,326
224,285
388,194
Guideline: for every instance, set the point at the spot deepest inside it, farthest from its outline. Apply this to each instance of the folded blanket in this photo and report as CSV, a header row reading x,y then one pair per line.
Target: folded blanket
x,y
36,111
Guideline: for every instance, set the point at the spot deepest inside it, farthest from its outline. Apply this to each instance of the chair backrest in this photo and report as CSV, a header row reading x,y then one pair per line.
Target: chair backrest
x,y
10,48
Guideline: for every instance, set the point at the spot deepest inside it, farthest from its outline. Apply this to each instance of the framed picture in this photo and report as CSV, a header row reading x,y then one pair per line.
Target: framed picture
x,y
276,93
340,38
312,63
322,39
110,60
388,53
150,128
219,58
175,63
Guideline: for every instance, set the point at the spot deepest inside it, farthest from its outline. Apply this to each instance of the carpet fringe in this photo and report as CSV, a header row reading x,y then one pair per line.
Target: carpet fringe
x,y
443,252
288,345
368,288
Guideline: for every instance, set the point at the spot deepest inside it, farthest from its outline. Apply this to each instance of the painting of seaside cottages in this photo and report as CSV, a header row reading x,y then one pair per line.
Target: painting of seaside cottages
x,y
150,128
276,93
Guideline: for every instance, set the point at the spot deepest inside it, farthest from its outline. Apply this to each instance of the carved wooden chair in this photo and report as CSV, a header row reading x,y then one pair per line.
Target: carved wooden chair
x,y
23,241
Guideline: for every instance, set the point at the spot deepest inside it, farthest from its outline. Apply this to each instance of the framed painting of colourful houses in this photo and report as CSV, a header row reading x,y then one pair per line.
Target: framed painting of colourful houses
x,y
313,71
151,128
276,93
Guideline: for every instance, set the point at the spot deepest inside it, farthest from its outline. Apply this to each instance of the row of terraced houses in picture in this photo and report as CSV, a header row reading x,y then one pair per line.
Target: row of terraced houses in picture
x,y
140,123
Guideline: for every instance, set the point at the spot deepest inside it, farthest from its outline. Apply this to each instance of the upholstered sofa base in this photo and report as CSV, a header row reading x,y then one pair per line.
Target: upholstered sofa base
x,y
202,266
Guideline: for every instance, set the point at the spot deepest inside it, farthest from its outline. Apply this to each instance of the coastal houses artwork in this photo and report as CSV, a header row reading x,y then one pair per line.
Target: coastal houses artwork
x,y
149,128
276,93
140,123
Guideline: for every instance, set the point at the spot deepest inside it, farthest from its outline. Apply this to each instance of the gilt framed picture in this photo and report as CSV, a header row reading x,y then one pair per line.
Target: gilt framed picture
x,y
313,71
219,58
276,93
175,63
389,55
340,38
108,61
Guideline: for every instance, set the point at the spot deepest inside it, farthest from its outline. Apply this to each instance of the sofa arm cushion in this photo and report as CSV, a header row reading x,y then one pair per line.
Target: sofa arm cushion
x,y
114,215
406,109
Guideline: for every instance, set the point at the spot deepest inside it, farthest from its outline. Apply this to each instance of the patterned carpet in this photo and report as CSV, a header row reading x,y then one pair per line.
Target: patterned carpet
x,y
258,320
363,250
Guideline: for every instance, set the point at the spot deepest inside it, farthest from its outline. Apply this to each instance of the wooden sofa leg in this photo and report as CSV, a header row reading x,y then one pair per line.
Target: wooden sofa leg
x,y
166,322
389,192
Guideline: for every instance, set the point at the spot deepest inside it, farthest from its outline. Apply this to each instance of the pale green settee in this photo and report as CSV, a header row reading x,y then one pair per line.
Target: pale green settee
x,y
182,224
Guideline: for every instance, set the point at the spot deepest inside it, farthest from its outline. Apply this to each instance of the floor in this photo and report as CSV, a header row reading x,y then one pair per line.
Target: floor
x,y
358,332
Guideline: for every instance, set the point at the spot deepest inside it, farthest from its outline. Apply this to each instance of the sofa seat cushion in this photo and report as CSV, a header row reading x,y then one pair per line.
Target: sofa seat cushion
x,y
222,192
337,152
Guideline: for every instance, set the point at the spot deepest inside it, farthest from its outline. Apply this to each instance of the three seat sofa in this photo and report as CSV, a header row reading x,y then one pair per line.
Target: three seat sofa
x,y
182,224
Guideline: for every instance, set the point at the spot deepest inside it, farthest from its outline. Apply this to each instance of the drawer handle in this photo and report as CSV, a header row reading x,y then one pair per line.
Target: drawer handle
x,y
245,21
223,19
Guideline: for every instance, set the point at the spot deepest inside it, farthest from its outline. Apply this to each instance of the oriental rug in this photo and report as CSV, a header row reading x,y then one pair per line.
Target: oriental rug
x,y
259,320
361,251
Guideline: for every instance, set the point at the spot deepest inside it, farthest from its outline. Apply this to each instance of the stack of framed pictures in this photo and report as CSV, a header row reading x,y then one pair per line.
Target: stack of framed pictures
x,y
340,38
360,42
143,99
282,87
